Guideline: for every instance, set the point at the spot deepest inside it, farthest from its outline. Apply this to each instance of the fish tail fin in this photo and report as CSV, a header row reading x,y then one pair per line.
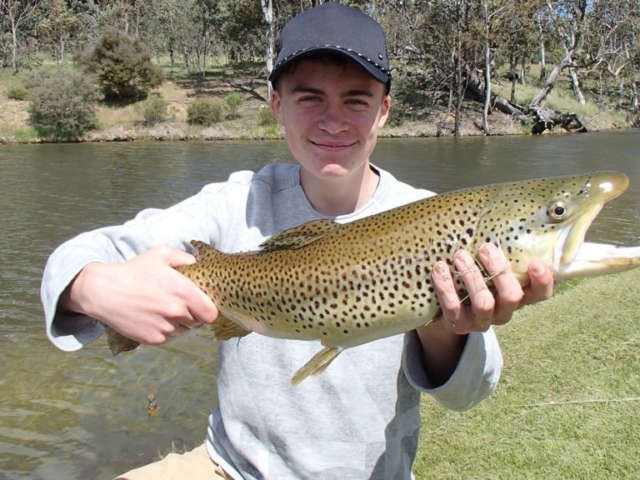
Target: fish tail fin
x,y
119,343
225,329
318,364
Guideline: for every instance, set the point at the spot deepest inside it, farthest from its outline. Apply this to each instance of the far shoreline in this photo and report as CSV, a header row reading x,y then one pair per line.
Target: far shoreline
x,y
183,132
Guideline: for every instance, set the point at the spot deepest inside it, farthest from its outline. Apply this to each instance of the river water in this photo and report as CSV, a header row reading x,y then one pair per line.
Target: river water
x,y
83,414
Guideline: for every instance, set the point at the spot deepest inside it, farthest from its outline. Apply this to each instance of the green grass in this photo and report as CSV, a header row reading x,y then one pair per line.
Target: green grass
x,y
562,98
581,350
19,134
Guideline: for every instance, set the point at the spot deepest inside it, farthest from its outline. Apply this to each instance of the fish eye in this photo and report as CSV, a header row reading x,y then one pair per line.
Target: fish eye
x,y
558,211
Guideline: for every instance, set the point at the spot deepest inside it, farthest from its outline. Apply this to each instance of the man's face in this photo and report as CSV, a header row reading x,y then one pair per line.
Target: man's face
x,y
331,115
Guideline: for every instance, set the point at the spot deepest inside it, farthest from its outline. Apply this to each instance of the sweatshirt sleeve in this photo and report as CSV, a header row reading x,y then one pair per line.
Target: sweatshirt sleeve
x,y
175,226
474,379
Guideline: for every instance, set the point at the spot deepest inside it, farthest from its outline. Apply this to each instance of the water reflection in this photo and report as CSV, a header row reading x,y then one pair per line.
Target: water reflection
x,y
83,414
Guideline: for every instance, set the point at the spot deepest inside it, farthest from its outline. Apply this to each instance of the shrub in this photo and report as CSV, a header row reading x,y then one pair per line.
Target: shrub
x,y
204,112
123,67
62,103
153,109
17,92
266,117
234,100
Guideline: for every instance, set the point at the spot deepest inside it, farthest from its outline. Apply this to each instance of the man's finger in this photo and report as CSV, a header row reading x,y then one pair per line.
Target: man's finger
x,y
509,293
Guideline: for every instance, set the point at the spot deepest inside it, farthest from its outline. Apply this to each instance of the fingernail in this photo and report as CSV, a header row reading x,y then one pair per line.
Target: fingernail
x,y
463,260
535,267
439,270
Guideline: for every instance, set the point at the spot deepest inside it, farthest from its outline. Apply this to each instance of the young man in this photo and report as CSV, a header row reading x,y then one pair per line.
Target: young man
x,y
360,418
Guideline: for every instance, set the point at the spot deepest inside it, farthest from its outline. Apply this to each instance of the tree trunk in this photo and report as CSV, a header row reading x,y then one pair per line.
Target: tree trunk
x,y
487,73
267,9
14,46
541,96
512,72
458,62
621,92
575,85
498,103
523,70
543,63
634,95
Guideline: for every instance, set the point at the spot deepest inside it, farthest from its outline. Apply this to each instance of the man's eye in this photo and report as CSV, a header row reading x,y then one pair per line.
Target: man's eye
x,y
309,98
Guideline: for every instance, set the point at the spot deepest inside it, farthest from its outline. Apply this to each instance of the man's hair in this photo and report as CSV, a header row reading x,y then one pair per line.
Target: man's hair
x,y
323,58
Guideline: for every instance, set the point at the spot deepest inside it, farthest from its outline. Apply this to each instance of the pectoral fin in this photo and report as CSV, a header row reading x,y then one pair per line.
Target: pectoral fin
x,y
225,329
119,343
316,365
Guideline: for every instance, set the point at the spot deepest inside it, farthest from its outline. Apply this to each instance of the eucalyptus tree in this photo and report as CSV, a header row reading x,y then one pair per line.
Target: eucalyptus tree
x,y
58,27
616,28
166,25
267,11
16,13
243,28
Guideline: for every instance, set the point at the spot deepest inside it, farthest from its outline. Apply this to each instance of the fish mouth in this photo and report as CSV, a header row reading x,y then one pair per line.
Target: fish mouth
x,y
596,192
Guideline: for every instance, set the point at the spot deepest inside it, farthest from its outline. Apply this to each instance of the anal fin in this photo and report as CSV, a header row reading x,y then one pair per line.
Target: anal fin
x,y
318,364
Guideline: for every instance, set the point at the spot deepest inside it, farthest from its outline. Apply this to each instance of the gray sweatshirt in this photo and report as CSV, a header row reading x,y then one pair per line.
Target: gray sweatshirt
x,y
359,419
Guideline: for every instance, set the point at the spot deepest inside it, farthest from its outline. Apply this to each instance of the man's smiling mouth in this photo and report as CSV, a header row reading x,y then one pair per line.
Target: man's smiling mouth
x,y
331,144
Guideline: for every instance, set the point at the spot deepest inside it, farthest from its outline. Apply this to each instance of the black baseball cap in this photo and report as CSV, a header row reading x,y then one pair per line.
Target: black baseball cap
x,y
334,28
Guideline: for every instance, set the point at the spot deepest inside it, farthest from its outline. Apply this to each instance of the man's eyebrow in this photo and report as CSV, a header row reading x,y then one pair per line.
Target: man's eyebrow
x,y
358,93
305,89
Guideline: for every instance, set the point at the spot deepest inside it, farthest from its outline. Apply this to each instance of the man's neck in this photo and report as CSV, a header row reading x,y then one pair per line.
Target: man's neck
x,y
334,197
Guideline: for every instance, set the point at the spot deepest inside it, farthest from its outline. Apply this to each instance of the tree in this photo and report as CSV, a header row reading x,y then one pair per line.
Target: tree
x,y
58,26
493,16
62,103
16,12
123,67
267,9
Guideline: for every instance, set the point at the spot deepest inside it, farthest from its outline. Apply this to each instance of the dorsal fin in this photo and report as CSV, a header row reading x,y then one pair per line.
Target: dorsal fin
x,y
204,250
298,237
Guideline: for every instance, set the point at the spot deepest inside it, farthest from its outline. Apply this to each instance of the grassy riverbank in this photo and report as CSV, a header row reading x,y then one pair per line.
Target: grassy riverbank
x,y
568,403
125,123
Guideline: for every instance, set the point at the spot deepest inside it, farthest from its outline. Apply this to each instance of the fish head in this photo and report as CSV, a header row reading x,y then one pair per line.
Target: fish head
x,y
546,219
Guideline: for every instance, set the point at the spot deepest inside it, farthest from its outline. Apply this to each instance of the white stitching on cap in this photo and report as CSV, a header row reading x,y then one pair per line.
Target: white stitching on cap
x,y
382,69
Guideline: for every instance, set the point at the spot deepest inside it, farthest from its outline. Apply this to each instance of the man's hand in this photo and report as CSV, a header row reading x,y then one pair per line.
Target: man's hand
x,y
487,306
443,339
144,299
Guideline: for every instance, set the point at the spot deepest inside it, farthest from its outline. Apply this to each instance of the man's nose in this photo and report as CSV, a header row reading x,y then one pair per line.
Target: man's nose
x,y
333,118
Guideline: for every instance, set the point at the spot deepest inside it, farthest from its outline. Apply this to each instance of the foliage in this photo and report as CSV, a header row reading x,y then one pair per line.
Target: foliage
x,y
17,92
446,45
234,100
153,109
58,28
62,103
243,30
396,116
123,67
204,112
266,117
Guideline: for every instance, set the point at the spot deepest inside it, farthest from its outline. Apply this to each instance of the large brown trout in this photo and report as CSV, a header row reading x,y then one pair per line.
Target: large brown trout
x,y
348,284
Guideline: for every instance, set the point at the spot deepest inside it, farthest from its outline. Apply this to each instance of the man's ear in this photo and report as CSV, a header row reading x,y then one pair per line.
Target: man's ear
x,y
275,103
385,108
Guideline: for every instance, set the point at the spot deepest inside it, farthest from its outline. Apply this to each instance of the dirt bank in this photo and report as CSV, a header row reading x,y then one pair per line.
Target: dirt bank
x,y
126,124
